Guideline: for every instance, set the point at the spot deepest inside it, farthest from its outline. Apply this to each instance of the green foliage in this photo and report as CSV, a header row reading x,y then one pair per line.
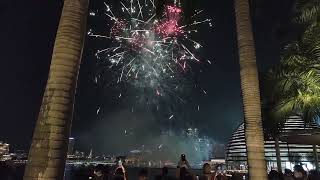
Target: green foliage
x,y
308,12
294,86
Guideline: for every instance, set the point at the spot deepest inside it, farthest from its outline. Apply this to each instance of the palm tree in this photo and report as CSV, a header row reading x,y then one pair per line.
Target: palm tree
x,y
296,80
295,83
308,12
48,151
272,124
250,92
300,95
296,91
272,128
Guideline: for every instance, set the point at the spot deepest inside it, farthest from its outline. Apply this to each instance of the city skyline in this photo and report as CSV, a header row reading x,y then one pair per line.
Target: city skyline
x,y
197,89
222,107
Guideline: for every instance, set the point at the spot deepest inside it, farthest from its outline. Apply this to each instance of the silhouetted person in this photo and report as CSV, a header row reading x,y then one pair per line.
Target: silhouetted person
x,y
120,173
221,176
99,173
274,175
288,175
183,162
299,173
184,173
314,175
206,173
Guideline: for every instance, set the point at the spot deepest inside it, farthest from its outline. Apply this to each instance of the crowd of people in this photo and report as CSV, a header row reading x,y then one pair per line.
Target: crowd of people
x,y
298,174
185,172
11,171
8,171
182,172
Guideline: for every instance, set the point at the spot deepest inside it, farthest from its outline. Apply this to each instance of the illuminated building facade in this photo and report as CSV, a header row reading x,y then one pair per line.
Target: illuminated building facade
x,y
201,144
4,151
192,132
4,148
291,154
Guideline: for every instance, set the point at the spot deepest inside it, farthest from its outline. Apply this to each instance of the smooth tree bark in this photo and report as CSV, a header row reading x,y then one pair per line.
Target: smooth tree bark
x,y
48,151
250,92
278,155
316,157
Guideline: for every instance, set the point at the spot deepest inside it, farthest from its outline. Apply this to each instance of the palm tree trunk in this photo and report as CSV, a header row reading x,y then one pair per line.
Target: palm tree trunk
x,y
316,158
48,151
250,92
277,147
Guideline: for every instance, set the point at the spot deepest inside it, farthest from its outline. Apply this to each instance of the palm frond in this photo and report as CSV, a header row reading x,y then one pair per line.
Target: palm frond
x,y
294,86
308,12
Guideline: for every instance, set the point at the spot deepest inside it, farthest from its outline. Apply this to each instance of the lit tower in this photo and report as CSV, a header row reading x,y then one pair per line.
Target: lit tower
x,y
4,148
71,145
90,154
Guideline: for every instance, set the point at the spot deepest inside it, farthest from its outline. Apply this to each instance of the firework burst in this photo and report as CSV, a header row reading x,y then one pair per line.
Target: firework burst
x,y
150,52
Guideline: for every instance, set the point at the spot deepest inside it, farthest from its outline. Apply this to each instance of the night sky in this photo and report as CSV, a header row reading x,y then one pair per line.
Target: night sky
x,y
27,36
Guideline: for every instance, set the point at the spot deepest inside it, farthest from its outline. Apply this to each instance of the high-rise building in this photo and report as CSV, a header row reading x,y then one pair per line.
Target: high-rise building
x,y
204,146
71,145
192,132
4,148
90,156
4,151
79,154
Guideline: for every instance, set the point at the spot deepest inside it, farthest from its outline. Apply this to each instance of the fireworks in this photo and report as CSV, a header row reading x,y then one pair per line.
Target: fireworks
x,y
150,52
169,26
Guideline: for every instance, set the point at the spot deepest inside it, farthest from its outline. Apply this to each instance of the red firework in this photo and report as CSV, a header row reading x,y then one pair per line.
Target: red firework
x,y
169,26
